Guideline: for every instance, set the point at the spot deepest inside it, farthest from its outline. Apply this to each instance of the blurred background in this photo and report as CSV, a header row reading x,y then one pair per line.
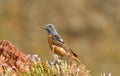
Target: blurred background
x,y
90,27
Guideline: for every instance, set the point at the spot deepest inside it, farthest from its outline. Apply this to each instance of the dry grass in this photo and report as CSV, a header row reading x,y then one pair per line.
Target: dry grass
x,y
55,67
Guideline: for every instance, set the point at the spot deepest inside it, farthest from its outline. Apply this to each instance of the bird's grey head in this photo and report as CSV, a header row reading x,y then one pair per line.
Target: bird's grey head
x,y
50,28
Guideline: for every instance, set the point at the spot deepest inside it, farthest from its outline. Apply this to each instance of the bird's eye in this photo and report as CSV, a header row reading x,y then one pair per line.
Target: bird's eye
x,y
50,26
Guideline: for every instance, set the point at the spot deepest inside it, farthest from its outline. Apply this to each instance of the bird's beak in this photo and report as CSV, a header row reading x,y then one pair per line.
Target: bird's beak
x,y
43,27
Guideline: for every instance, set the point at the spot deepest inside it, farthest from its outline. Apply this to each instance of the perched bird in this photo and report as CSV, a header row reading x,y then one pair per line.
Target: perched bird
x,y
57,44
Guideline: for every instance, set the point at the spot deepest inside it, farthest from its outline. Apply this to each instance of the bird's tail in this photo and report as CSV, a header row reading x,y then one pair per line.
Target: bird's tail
x,y
73,57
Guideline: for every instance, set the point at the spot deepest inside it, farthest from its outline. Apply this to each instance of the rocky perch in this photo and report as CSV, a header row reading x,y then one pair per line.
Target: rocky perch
x,y
12,56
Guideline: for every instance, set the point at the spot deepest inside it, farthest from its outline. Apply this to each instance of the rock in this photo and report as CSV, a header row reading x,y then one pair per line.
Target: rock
x,y
12,56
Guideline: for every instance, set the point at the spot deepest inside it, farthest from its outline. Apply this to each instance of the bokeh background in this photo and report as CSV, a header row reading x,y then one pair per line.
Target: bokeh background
x,y
90,27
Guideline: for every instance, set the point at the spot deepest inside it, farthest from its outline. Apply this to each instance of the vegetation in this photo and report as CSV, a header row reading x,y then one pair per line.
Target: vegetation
x,y
56,67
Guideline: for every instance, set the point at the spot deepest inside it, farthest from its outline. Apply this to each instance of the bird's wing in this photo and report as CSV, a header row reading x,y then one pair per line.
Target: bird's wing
x,y
57,38
58,41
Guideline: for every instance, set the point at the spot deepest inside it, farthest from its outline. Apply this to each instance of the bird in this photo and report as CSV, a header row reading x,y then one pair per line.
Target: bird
x,y
57,45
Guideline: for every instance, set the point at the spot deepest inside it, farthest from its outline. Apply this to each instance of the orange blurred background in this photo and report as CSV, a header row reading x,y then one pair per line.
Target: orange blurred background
x,y
90,27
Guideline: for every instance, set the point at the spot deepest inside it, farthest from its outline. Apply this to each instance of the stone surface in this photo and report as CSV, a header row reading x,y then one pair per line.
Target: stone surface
x,y
12,56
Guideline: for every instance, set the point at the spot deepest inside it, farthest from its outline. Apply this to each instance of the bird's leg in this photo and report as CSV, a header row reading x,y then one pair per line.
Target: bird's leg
x,y
55,56
53,53
61,57
53,48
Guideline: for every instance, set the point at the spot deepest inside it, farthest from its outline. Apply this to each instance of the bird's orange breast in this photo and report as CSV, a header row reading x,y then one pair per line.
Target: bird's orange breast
x,y
50,41
56,49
